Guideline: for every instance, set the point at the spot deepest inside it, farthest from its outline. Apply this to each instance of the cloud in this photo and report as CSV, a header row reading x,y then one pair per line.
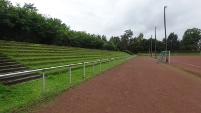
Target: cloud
x,y
113,17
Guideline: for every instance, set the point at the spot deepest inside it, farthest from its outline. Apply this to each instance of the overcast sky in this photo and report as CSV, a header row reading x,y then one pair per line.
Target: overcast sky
x,y
113,17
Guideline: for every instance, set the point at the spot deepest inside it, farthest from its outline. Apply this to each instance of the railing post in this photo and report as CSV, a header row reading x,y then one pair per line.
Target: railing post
x,y
43,81
100,67
84,70
93,68
70,74
109,63
169,57
105,65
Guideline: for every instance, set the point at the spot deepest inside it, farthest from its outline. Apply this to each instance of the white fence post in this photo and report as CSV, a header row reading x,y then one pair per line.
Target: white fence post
x,y
105,65
93,68
43,81
100,67
84,70
109,63
70,74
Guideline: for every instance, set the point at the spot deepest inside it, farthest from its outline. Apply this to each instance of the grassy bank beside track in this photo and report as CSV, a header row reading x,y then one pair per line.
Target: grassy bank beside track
x,y
35,56
20,97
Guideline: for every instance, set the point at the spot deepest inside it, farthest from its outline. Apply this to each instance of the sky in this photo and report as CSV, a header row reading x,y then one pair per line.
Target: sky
x,y
113,17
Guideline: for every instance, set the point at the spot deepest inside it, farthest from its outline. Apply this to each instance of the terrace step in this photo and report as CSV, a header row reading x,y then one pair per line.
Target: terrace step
x,y
5,60
2,58
18,78
22,80
8,70
7,63
8,66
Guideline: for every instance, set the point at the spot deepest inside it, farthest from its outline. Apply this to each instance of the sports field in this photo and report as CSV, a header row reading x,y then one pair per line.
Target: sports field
x,y
191,64
140,85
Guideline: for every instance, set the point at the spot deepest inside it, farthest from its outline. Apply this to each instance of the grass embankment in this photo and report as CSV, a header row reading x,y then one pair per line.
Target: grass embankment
x,y
36,56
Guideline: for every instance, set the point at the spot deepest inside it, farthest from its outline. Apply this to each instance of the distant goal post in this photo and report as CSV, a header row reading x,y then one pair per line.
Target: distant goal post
x,y
164,57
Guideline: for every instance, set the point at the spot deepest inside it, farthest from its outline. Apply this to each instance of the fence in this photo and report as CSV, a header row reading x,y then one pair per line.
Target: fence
x,y
92,63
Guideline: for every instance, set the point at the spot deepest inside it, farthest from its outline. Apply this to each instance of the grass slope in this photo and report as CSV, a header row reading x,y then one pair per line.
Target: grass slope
x,y
36,56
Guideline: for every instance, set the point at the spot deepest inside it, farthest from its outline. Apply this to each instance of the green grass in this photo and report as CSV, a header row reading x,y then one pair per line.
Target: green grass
x,y
17,96
35,56
30,95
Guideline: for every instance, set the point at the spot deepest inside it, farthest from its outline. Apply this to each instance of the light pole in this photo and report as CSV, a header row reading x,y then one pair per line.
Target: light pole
x,y
155,42
151,45
149,49
199,46
165,33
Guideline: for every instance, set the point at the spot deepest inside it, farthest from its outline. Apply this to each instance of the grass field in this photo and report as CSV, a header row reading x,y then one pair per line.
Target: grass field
x,y
34,56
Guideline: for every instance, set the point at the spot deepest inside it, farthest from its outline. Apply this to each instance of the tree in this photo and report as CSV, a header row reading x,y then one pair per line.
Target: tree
x,y
140,37
116,40
190,38
30,7
125,39
173,42
136,44
104,38
110,46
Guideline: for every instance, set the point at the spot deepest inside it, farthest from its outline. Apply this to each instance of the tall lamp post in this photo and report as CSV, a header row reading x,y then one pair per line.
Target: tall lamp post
x,y
155,42
151,45
199,46
165,33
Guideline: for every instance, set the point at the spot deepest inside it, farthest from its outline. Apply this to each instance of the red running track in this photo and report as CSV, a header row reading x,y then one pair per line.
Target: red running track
x,y
138,86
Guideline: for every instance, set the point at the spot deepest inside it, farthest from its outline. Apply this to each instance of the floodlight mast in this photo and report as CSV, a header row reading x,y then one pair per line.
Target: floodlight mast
x,y
165,33
199,46
151,45
155,42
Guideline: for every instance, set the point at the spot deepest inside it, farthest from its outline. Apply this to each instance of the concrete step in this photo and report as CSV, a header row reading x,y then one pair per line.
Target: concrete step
x,y
8,63
6,60
9,66
17,76
21,80
2,58
8,70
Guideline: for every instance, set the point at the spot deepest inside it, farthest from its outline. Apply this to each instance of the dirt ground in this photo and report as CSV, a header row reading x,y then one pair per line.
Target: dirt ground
x,y
189,63
138,86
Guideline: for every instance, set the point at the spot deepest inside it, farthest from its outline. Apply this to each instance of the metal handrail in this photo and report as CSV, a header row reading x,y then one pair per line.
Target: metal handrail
x,y
70,66
43,69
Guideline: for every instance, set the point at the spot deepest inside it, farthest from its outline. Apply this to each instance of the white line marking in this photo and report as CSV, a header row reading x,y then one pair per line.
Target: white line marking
x,y
187,64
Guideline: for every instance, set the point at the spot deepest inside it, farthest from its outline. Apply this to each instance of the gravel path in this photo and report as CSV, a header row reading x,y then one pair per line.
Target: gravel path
x,y
137,86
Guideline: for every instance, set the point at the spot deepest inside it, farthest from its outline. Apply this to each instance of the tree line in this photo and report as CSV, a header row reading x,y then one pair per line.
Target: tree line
x,y
25,24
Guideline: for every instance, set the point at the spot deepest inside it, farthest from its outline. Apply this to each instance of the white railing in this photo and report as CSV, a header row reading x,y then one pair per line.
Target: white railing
x,y
70,68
